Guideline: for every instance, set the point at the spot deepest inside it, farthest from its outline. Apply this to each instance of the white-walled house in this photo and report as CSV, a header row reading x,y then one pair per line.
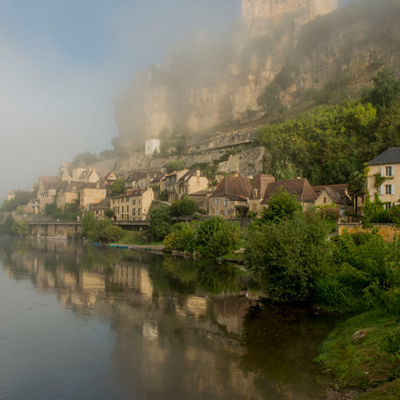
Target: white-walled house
x,y
151,146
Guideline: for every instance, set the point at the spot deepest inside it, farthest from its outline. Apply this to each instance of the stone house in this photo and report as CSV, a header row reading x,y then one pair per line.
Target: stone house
x,y
260,183
192,181
299,187
385,165
47,191
109,179
68,193
151,146
334,195
134,205
169,183
91,193
201,198
133,178
99,209
231,197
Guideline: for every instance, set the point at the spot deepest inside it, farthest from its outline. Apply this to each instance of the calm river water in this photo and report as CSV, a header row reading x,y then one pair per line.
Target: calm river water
x,y
78,322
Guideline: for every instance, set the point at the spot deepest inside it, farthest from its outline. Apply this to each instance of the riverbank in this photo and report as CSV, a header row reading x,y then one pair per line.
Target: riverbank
x,y
363,357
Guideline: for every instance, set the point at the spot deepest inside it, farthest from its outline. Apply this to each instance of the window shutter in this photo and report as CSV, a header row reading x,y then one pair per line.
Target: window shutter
x,y
382,190
393,170
393,188
383,171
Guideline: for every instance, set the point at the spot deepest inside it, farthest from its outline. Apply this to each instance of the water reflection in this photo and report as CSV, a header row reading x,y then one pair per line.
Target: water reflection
x,y
180,330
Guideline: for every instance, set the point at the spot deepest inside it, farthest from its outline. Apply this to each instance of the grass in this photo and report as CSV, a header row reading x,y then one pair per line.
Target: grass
x,y
369,362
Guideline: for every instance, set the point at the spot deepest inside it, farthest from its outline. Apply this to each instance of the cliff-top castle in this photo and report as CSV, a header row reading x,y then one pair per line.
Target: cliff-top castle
x,y
276,8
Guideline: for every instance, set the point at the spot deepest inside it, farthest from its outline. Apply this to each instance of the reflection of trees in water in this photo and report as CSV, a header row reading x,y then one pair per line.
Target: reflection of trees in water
x,y
208,276
280,345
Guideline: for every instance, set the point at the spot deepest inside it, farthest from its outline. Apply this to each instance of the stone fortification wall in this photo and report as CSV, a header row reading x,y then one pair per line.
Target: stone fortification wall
x,y
388,231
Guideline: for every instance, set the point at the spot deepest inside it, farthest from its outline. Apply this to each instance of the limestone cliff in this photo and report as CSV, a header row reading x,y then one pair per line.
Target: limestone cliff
x,y
205,83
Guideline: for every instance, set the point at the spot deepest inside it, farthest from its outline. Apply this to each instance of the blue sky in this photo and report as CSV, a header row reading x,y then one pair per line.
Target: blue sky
x,y
63,62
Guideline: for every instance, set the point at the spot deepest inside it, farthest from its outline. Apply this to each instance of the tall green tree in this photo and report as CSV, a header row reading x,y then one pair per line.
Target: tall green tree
x,y
282,206
118,187
160,222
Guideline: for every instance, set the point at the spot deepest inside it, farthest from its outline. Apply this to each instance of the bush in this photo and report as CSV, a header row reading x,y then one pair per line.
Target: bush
x,y
160,222
183,207
182,237
98,228
111,234
288,258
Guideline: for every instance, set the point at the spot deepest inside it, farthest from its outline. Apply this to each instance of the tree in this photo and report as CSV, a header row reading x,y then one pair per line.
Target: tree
x,y
176,165
385,92
110,213
281,206
111,234
88,222
8,223
183,207
20,228
160,222
118,187
287,258
96,235
21,198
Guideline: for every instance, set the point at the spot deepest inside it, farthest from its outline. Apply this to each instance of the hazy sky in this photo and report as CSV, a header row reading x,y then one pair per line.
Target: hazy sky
x,y
63,62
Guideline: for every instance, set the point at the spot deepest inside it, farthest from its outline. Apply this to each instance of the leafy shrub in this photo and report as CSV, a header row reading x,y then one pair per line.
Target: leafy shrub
x,y
111,234
183,207
288,258
182,237
160,222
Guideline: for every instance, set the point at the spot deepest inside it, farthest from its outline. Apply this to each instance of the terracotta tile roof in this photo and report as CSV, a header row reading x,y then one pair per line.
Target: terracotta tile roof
x,y
135,176
188,175
338,193
260,183
71,186
234,187
299,187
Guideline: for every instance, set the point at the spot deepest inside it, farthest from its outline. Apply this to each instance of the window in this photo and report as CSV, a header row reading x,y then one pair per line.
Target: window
x,y
388,206
225,203
388,189
324,200
134,202
389,171
216,201
226,213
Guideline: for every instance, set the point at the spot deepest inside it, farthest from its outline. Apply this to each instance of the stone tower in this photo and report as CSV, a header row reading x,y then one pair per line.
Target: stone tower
x,y
277,8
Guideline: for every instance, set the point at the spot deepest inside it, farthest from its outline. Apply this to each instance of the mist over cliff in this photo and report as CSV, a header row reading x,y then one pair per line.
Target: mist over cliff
x,y
206,81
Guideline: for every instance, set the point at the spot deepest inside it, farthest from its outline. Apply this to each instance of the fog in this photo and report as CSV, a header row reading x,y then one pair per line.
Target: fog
x,y
63,63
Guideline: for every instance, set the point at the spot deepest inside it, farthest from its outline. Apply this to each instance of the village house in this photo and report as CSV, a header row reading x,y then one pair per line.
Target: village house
x,y
192,181
47,192
201,198
384,166
69,173
91,193
68,193
299,187
99,209
134,205
170,184
334,195
133,178
231,197
109,179
261,181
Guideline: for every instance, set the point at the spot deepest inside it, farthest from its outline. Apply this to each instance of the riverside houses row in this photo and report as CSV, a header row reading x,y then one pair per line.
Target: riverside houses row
x,y
133,205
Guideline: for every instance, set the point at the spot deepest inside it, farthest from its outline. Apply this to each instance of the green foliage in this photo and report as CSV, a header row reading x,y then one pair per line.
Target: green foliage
x,y
21,198
88,222
213,237
8,223
176,165
386,90
20,228
96,235
111,234
327,145
118,187
366,269
182,238
110,213
269,99
281,206
160,222
183,207
374,212
287,258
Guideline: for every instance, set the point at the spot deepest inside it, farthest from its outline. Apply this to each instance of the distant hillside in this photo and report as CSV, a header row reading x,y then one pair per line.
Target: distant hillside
x,y
260,68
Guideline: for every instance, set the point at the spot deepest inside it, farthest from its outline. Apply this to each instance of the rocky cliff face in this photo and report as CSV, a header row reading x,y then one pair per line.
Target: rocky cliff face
x,y
204,84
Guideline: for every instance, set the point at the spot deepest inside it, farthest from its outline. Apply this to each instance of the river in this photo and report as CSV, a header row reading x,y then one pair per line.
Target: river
x,y
79,322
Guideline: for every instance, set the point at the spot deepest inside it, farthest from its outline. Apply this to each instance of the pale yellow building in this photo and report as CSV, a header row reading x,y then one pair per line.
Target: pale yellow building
x,y
134,205
386,165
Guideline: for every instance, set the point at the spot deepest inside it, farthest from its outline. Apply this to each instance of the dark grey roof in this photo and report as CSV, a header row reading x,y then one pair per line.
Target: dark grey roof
x,y
389,156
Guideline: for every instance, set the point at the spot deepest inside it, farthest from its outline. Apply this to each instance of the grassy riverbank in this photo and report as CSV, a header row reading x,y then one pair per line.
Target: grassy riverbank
x,y
364,353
